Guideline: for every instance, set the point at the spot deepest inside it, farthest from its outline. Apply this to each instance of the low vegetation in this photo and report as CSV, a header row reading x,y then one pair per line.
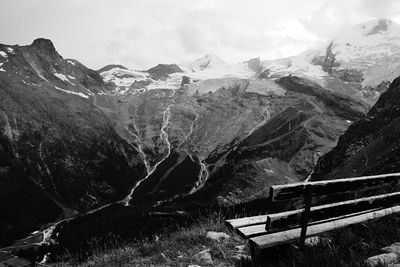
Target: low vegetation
x,y
346,247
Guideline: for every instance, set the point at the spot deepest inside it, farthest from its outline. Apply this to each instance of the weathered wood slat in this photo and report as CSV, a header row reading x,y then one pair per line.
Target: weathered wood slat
x,y
253,230
263,224
260,229
288,236
291,219
323,188
247,221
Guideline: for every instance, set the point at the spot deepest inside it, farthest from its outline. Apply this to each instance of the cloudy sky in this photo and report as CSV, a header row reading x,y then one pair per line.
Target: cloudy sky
x,y
142,33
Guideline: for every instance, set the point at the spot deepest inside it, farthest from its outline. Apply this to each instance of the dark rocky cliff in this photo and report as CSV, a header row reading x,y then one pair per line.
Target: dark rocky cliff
x,y
370,145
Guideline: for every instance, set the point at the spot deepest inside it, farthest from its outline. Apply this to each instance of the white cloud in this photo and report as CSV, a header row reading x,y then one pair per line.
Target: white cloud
x,y
142,33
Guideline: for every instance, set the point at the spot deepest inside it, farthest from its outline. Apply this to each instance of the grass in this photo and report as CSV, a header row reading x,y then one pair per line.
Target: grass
x,y
173,249
346,247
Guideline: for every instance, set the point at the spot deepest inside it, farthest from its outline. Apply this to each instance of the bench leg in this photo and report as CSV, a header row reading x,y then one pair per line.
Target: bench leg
x,y
255,255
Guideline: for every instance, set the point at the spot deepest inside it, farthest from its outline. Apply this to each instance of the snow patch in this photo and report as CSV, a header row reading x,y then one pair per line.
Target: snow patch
x,y
61,77
1,69
71,62
72,92
123,77
3,54
10,50
298,65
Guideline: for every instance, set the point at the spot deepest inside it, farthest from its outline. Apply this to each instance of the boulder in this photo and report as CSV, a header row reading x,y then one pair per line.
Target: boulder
x,y
204,257
240,249
217,236
383,259
312,241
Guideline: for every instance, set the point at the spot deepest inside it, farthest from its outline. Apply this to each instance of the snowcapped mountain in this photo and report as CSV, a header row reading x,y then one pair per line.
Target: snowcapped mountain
x,y
366,53
39,65
127,81
170,76
355,62
372,48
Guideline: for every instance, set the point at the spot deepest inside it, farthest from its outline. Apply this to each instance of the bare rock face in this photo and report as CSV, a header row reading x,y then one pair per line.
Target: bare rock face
x,y
255,65
161,71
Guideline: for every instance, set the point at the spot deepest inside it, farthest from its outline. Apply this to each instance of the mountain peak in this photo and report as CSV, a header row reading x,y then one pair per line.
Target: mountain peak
x,y
44,45
112,66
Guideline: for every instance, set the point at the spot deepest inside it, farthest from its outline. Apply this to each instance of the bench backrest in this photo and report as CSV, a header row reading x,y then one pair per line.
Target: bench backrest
x,y
313,202
331,191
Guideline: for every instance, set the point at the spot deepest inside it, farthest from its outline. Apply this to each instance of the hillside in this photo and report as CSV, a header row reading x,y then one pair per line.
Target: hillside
x,y
370,145
59,155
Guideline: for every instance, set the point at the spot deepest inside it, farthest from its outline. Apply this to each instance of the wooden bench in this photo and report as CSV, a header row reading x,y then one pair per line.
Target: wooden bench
x,y
311,208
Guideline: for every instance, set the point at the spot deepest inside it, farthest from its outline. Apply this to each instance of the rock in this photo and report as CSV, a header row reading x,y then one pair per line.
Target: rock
x,y
394,265
239,258
265,74
312,241
185,80
218,236
140,84
161,71
393,248
382,259
240,249
204,256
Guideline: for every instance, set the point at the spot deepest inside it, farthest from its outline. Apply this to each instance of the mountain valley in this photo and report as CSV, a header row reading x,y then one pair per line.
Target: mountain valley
x,y
202,133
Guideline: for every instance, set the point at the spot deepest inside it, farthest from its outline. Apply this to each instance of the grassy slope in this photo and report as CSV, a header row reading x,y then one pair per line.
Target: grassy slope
x,y
172,249
345,247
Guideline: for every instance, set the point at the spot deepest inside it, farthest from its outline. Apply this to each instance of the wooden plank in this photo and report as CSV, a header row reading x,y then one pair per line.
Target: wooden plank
x,y
305,215
288,236
260,229
291,219
251,231
258,225
246,221
296,190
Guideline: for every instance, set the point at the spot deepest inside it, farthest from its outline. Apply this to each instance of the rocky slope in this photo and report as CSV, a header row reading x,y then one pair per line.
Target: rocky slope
x,y
59,154
370,145
298,127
